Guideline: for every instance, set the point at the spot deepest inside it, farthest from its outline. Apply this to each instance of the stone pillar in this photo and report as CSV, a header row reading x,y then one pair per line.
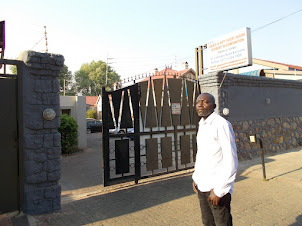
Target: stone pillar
x,y
42,141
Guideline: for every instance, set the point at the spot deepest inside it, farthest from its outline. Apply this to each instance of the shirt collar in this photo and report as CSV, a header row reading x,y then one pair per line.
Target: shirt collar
x,y
209,119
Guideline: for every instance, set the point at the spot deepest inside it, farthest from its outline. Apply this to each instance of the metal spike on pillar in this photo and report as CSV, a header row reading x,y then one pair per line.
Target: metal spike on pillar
x,y
45,35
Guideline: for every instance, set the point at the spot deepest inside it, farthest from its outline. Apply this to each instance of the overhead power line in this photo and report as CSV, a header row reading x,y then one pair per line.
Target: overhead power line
x,y
38,42
275,21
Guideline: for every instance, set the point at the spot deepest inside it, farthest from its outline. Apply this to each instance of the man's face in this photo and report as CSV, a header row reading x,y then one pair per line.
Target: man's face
x,y
204,105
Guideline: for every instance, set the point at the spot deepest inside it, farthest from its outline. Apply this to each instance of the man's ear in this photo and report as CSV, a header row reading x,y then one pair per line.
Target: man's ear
x,y
214,106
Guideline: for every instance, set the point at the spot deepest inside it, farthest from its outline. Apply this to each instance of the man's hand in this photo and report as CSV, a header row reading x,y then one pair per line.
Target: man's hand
x,y
194,187
213,198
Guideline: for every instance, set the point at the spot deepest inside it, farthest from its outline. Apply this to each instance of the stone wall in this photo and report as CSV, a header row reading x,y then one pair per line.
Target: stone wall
x,y
42,141
277,134
267,107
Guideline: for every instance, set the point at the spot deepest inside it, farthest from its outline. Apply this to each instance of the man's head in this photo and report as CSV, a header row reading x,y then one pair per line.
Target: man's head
x,y
205,105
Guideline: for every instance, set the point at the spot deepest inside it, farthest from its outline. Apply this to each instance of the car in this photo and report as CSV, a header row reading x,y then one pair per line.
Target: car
x,y
131,130
117,130
93,125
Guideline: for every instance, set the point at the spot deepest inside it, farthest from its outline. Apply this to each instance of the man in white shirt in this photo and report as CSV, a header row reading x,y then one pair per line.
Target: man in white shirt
x,y
216,163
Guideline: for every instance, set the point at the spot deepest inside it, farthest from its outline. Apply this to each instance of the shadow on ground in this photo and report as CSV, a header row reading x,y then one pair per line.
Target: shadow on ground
x,y
124,201
298,221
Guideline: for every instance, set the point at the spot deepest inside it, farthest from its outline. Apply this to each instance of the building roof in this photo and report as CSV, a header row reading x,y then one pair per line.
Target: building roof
x,y
91,100
277,65
170,73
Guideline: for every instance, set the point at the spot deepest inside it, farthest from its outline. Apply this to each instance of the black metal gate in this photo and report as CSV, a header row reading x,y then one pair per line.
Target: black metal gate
x,y
162,114
10,124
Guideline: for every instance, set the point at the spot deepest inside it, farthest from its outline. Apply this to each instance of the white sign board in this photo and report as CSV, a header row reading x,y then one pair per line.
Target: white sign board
x,y
230,51
176,110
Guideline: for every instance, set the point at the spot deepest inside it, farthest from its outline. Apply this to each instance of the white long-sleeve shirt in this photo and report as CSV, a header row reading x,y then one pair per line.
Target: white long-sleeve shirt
x,y
216,159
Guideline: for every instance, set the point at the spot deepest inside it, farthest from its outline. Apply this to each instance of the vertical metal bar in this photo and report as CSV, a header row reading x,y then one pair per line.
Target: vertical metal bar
x,y
200,57
196,64
136,97
176,147
105,131
20,67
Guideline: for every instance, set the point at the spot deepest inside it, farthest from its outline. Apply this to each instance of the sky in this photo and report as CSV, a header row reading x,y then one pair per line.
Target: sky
x,y
136,36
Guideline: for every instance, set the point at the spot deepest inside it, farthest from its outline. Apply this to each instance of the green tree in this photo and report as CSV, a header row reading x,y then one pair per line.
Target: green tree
x,y
13,69
90,79
91,114
66,75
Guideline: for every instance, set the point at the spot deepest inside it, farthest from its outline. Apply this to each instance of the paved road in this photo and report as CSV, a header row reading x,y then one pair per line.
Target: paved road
x,y
169,200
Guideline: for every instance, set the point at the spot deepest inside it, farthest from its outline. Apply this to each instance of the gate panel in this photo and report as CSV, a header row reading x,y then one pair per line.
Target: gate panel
x,y
9,146
122,156
164,120
166,151
152,154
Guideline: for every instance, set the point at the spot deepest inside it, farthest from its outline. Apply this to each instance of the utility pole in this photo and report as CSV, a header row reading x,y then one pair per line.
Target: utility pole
x,y
45,35
63,87
107,68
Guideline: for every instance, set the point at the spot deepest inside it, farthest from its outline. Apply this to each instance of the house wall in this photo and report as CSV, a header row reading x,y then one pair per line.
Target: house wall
x,y
291,77
77,107
267,107
99,109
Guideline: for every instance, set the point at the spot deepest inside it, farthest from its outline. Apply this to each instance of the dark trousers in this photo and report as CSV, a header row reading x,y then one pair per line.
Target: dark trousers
x,y
215,215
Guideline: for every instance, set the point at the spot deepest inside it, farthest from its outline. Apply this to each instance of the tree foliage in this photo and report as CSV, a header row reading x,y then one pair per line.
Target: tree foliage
x,y
91,114
13,69
90,79
66,75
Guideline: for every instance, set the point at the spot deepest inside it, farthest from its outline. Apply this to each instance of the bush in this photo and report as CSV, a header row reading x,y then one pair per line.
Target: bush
x,y
91,114
69,134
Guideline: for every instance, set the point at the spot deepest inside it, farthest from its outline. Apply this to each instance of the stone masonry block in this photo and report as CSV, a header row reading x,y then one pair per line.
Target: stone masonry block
x,y
52,192
39,155
33,195
54,153
44,60
34,124
48,141
57,140
32,167
36,178
30,56
52,165
51,60
56,205
33,118
55,86
33,141
52,124
36,66
54,176
50,98
52,67
58,58
42,86
36,98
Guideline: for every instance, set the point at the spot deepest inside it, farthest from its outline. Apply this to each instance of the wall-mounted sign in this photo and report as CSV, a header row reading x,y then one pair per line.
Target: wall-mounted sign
x,y
176,110
230,51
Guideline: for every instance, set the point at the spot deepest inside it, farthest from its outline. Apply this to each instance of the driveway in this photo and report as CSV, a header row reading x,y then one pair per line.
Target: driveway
x,y
82,171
